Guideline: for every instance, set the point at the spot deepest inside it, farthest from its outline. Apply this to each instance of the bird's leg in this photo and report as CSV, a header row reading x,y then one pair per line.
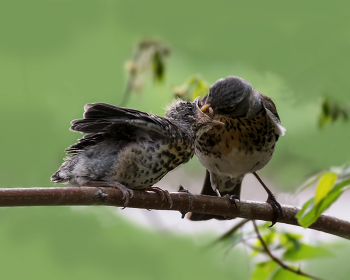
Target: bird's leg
x,y
276,207
183,190
163,193
232,198
217,192
127,193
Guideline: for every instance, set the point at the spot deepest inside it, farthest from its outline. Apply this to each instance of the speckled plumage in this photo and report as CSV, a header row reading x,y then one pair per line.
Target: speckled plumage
x,y
244,145
129,147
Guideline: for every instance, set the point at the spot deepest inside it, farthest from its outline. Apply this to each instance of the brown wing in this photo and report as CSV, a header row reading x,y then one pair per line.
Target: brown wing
x,y
268,104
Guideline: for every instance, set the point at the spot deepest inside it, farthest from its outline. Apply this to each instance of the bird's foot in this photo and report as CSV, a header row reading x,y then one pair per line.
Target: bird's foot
x,y
276,207
163,193
232,198
126,192
182,189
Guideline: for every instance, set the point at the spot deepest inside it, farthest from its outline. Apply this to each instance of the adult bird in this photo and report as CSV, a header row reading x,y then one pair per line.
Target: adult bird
x,y
129,149
244,145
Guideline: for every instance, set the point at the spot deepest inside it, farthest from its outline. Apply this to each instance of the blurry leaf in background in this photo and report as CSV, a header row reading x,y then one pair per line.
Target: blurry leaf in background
x,y
263,270
287,275
96,243
327,192
306,252
289,247
194,87
149,56
332,111
342,171
291,240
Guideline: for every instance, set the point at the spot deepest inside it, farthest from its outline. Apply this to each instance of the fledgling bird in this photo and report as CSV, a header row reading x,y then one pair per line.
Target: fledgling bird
x,y
129,149
244,145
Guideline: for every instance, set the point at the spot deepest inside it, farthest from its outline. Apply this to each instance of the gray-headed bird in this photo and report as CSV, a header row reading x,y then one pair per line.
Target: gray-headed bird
x,y
244,145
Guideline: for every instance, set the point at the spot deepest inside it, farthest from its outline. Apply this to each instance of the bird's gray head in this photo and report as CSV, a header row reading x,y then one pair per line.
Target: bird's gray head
x,y
188,116
230,96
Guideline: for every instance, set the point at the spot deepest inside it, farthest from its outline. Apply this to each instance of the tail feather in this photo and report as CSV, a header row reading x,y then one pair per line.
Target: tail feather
x,y
208,190
56,178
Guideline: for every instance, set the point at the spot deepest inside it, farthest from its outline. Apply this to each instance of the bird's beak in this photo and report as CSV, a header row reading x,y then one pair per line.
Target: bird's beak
x,y
216,122
201,111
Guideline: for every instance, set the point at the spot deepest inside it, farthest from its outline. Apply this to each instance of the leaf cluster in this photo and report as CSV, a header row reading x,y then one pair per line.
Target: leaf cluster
x,y
149,57
331,111
330,187
194,87
290,248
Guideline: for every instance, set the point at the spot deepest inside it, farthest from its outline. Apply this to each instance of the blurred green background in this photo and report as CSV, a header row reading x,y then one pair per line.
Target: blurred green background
x,y
56,56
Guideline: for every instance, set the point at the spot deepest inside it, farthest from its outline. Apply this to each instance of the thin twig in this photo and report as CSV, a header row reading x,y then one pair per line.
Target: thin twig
x,y
230,232
278,261
128,88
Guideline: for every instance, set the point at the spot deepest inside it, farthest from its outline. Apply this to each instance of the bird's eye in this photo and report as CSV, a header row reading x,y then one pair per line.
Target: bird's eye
x,y
190,108
230,109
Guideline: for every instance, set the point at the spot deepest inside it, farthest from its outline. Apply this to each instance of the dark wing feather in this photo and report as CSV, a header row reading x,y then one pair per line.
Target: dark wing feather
x,y
123,123
268,104
272,112
87,140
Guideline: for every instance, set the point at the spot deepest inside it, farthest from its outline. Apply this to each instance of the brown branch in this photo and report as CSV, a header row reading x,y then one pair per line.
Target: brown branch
x,y
278,261
182,202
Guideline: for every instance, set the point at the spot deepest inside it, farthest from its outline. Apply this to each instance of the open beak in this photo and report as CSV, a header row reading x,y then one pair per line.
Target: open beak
x,y
216,122
206,107
203,109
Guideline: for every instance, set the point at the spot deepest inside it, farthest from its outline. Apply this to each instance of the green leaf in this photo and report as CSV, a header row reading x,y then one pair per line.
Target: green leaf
x,y
324,186
195,87
307,215
342,171
305,252
269,238
310,181
333,195
331,112
310,211
294,240
342,185
158,67
287,275
263,270
196,93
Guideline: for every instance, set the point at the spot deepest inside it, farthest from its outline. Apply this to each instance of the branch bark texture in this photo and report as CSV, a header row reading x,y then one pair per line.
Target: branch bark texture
x,y
183,202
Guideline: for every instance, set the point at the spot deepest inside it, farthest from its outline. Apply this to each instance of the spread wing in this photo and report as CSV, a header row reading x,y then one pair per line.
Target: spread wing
x,y
102,120
130,123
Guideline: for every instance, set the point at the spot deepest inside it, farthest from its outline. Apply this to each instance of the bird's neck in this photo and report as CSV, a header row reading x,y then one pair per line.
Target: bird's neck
x,y
185,129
